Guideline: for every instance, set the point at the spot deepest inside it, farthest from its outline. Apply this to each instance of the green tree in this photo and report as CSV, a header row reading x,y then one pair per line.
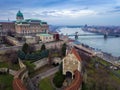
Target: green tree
x,y
43,47
84,86
25,48
58,79
21,55
64,49
30,66
61,67
28,56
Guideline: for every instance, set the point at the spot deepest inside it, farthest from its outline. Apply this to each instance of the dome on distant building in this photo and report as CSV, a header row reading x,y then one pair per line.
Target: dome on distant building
x,y
19,15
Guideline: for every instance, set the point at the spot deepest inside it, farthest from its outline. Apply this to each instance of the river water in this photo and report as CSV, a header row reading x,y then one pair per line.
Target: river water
x,y
110,45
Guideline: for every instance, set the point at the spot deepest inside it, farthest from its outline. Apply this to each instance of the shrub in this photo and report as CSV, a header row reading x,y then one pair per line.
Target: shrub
x,y
21,55
36,55
64,49
27,54
25,48
43,47
30,66
58,79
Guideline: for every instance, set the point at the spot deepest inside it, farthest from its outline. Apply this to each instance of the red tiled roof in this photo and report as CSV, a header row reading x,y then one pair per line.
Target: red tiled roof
x,y
75,85
76,54
70,40
18,85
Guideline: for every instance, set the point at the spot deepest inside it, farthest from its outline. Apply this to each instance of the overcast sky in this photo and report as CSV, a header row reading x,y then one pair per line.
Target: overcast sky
x,y
64,12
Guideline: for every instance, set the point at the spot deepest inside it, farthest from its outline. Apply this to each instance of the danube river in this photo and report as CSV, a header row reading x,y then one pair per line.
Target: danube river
x,y
110,45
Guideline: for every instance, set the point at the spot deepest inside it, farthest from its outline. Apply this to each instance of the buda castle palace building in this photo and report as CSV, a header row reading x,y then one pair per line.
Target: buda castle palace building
x,y
22,26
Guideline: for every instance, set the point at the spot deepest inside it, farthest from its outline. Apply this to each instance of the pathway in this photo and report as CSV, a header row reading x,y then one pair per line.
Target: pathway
x,y
12,72
43,75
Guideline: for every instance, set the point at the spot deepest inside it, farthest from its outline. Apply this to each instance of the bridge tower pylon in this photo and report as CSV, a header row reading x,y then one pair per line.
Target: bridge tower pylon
x,y
76,35
105,34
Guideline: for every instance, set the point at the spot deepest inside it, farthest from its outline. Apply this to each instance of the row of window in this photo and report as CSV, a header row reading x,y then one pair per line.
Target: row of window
x,y
47,37
34,27
31,31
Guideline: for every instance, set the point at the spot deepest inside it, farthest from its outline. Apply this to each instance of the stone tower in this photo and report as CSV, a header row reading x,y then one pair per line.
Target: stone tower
x,y
72,62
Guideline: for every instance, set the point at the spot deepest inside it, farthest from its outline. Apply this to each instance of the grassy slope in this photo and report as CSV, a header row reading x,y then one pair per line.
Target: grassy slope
x,y
8,65
6,82
100,78
45,84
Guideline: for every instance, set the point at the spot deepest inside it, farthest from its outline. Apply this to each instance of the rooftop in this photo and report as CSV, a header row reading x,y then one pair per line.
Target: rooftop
x,y
76,54
44,22
44,35
33,20
29,37
77,82
30,21
21,22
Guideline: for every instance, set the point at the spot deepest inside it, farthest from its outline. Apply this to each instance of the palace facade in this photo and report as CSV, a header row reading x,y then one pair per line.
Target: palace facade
x,y
23,26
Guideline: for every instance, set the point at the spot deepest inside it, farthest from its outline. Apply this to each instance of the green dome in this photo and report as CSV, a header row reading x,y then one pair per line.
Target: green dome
x,y
19,14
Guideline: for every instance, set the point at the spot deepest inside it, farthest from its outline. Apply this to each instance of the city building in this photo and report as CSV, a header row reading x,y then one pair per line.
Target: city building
x,y
30,39
2,34
45,37
22,27
30,27
8,27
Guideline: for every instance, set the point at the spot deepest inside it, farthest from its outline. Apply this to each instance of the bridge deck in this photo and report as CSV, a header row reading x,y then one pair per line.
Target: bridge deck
x,y
95,34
